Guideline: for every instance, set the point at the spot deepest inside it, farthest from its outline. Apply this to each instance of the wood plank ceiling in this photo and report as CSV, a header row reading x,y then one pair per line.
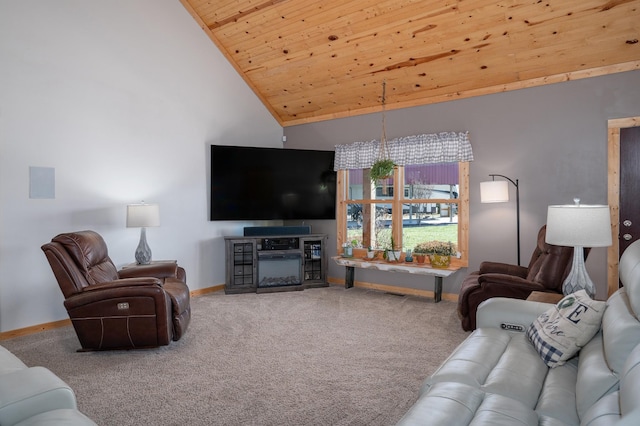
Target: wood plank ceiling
x,y
313,60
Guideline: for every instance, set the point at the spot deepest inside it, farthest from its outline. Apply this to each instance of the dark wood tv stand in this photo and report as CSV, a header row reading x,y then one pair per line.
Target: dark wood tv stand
x,y
274,263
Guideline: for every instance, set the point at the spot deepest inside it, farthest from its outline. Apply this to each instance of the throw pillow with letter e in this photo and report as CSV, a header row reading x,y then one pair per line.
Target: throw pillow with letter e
x,y
560,332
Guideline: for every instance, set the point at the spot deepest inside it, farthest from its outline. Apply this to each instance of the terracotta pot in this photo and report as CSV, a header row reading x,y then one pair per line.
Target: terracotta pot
x,y
439,261
420,258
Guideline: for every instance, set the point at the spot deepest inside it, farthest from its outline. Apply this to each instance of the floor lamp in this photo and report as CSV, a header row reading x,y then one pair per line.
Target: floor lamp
x,y
497,191
142,216
578,226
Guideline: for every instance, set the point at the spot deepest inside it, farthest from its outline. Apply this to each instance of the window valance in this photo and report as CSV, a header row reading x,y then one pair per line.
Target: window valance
x,y
445,147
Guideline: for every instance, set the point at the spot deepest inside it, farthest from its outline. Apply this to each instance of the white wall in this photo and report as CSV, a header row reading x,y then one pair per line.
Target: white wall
x,y
123,99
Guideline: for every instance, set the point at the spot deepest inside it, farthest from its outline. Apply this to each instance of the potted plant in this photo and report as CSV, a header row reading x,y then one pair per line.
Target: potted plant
x,y
347,248
439,252
420,252
371,253
391,254
381,169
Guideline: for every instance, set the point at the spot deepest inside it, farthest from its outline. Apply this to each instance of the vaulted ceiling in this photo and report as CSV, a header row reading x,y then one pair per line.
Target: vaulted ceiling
x,y
313,60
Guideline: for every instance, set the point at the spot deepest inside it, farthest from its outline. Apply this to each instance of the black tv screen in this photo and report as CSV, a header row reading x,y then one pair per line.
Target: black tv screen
x,y
250,183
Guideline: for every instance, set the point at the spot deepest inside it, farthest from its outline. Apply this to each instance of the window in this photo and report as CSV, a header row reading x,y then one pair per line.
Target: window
x,y
432,206
427,199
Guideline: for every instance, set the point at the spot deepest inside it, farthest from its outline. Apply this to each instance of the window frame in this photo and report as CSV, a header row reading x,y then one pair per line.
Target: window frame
x,y
342,198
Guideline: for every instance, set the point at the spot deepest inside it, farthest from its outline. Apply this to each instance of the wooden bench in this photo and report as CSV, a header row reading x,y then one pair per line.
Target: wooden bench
x,y
407,267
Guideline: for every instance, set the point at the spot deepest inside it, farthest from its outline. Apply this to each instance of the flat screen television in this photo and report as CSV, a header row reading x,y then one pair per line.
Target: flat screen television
x,y
251,183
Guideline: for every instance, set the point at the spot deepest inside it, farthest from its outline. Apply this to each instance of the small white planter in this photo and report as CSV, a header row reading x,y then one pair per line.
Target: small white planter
x,y
393,255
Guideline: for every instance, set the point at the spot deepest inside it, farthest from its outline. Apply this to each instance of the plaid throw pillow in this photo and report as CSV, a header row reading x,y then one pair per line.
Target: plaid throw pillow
x,y
559,333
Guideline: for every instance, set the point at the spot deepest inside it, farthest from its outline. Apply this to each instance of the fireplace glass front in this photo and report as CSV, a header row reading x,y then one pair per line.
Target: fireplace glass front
x,y
279,268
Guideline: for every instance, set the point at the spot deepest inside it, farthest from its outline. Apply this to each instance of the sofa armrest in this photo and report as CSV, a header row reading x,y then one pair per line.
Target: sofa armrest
x,y
509,314
164,269
510,284
487,267
9,362
150,290
26,393
125,282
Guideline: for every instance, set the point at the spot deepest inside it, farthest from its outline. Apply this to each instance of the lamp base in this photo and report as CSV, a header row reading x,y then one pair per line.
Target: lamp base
x,y
578,278
143,252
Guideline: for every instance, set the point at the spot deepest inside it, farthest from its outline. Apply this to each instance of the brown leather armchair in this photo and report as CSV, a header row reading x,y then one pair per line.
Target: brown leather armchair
x,y
548,267
137,307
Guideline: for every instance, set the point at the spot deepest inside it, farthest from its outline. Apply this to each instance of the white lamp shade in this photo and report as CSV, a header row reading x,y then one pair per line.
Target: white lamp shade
x,y
579,225
494,191
143,215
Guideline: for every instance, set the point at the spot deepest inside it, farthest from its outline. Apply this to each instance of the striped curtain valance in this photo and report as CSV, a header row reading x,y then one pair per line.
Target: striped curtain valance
x,y
445,147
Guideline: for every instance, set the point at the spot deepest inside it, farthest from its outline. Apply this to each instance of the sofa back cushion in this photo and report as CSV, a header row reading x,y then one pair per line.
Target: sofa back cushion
x,y
595,378
630,385
89,253
629,272
622,406
602,359
620,330
549,264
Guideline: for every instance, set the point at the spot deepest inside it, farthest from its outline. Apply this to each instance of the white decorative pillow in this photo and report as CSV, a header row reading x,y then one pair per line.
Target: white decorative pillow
x,y
559,333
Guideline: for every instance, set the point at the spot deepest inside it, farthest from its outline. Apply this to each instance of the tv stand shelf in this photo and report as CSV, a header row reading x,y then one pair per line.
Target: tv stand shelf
x,y
275,263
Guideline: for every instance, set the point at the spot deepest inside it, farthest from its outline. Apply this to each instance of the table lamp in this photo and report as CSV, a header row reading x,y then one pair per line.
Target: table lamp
x,y
143,216
578,226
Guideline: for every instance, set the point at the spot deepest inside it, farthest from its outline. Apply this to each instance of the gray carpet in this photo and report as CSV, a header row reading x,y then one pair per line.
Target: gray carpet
x,y
325,356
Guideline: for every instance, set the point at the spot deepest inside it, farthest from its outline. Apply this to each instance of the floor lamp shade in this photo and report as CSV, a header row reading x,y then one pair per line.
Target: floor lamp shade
x,y
494,191
578,226
497,191
143,216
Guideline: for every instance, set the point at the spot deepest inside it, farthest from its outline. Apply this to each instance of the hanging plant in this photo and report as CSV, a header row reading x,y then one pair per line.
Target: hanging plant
x,y
381,169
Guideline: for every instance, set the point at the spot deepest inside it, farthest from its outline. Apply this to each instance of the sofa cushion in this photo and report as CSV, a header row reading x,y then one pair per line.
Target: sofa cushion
x,y
595,378
559,333
9,362
557,399
606,412
61,417
549,269
504,363
518,374
630,386
620,329
622,404
460,404
473,359
91,253
629,273
31,391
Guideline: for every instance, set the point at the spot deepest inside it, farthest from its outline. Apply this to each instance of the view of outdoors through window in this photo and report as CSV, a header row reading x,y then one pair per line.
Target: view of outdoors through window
x,y
427,207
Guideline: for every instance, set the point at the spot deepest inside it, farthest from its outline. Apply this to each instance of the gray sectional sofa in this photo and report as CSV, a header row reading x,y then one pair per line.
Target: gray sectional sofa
x,y
32,396
496,376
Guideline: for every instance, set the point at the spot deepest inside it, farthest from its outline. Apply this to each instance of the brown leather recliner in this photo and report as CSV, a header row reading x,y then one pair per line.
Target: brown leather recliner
x,y
137,307
547,270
